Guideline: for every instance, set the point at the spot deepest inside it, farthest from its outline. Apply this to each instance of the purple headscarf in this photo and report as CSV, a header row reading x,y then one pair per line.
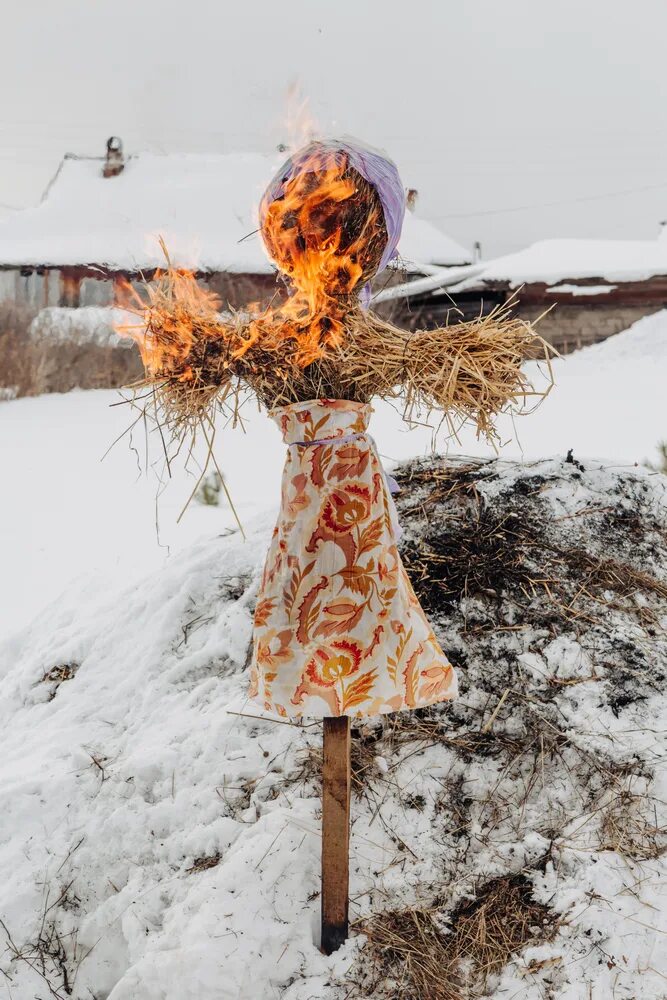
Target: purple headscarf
x,y
374,166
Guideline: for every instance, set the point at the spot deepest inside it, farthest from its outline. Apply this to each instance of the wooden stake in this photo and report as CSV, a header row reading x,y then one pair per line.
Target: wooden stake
x,y
335,832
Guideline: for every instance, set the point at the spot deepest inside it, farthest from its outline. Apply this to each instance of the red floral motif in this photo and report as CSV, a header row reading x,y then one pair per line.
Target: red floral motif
x,y
346,508
331,664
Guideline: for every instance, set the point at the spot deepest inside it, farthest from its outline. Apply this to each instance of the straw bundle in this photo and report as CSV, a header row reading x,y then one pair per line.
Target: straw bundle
x,y
470,371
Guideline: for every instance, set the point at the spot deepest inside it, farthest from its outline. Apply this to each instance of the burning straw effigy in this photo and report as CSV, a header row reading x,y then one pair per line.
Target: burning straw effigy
x,y
325,228
338,630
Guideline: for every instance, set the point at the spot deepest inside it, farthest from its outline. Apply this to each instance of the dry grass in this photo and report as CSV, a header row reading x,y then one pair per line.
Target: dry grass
x,y
31,365
492,552
471,372
411,953
58,675
53,956
630,827
204,864
18,359
64,672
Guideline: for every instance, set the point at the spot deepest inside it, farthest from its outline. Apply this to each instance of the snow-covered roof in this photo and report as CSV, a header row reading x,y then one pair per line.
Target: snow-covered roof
x,y
423,243
552,261
203,204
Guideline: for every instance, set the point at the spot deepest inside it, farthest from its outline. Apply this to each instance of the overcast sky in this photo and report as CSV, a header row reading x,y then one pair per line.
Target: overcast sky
x,y
515,119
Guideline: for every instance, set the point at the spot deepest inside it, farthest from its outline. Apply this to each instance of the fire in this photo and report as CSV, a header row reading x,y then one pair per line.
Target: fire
x,y
176,320
324,229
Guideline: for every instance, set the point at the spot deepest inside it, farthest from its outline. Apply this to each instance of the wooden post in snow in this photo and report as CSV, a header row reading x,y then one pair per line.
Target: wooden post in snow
x,y
335,832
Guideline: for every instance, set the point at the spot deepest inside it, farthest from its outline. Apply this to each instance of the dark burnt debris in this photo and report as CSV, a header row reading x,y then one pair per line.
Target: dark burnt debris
x,y
492,554
512,545
546,584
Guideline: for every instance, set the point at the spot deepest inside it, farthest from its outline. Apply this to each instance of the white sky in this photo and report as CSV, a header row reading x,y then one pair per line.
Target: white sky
x,y
485,104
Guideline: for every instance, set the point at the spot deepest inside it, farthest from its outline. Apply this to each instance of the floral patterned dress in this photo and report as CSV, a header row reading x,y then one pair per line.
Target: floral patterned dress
x,y
338,629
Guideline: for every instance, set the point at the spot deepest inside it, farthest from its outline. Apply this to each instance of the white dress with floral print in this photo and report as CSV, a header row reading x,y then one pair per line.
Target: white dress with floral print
x,y
338,629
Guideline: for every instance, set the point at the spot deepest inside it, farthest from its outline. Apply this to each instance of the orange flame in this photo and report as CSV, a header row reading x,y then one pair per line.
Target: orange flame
x,y
174,318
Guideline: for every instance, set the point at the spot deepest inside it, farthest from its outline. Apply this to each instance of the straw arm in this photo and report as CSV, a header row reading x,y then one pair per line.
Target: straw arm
x,y
471,371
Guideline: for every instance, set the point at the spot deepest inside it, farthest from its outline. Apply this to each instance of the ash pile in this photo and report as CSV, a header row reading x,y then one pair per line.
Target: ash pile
x,y
542,576
540,788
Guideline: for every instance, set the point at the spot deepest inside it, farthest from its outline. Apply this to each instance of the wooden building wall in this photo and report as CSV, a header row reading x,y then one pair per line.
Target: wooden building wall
x,y
573,320
80,286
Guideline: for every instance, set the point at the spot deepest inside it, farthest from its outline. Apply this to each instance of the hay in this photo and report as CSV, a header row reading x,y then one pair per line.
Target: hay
x,y
204,864
471,371
413,954
630,826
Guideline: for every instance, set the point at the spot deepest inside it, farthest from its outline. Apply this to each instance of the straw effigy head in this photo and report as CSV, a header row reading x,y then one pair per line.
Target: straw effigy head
x,y
332,216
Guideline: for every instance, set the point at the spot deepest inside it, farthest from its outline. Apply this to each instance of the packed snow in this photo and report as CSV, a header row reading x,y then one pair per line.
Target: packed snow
x,y
86,218
154,842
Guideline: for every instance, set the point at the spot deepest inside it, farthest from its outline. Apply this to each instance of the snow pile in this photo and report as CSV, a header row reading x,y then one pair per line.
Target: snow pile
x,y
204,205
156,845
553,261
88,325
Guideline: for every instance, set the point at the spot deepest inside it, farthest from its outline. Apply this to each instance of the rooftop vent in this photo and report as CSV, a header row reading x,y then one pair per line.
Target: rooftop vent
x,y
114,162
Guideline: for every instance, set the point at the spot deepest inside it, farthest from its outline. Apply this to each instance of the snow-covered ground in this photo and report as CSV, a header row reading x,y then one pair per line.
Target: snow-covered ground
x,y
124,771
158,843
67,515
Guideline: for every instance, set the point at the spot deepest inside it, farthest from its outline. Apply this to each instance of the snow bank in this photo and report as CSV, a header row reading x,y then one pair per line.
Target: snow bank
x,y
155,845
607,400
644,343
205,207
87,325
